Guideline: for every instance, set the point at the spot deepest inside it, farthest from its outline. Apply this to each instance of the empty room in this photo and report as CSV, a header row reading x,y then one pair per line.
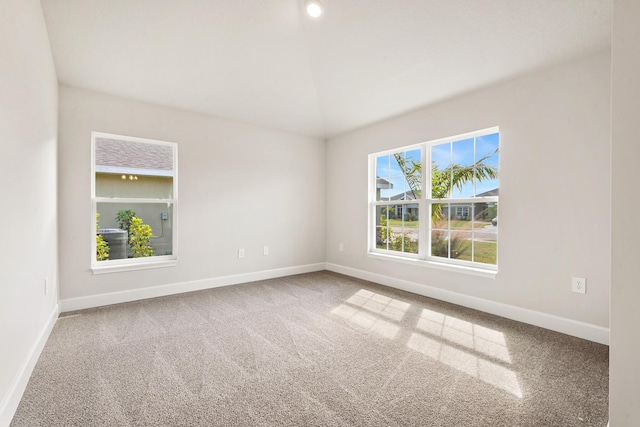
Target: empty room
x,y
216,213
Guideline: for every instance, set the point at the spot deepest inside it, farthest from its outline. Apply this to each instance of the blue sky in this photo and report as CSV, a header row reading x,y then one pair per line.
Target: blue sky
x,y
387,167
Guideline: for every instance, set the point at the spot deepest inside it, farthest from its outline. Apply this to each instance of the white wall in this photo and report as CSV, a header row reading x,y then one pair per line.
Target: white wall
x,y
239,186
624,409
28,128
554,190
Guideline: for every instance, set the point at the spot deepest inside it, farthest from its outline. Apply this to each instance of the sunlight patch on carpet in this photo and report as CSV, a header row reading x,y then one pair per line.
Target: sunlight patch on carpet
x,y
483,340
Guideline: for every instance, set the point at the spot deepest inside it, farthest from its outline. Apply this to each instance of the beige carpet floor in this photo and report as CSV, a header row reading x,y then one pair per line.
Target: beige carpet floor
x,y
317,349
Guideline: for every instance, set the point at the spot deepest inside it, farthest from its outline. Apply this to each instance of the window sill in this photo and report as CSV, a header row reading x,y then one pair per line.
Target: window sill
x,y
473,271
117,268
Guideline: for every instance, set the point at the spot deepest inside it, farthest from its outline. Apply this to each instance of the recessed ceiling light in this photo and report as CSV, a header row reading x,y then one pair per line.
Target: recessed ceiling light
x,y
314,8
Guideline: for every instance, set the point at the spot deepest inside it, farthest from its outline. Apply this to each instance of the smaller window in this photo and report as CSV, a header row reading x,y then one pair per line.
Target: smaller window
x,y
135,203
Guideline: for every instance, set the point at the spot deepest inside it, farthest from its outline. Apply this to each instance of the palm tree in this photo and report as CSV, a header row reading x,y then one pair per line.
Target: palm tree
x,y
443,181
412,174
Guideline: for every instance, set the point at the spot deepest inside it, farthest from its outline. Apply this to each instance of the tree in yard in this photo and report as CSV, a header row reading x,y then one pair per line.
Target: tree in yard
x,y
412,173
124,220
444,181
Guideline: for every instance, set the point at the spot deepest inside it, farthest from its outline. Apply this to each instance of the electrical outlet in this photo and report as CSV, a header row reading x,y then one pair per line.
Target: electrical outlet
x,y
241,253
265,250
341,247
164,215
579,285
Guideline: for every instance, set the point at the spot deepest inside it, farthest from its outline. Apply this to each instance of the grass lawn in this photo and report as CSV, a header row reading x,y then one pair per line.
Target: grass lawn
x,y
485,252
460,224
398,223
456,224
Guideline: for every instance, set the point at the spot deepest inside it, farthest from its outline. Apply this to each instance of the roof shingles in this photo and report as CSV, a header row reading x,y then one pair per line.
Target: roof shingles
x,y
128,154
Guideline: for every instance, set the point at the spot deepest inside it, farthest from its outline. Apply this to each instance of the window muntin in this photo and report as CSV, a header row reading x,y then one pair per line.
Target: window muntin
x,y
397,227
397,175
133,177
465,232
398,188
456,219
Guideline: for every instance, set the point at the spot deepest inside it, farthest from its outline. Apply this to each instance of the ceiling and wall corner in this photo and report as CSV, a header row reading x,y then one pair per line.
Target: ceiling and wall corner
x,y
268,63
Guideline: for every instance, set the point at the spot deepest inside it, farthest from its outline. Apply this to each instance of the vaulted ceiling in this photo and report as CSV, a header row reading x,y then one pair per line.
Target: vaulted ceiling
x,y
266,62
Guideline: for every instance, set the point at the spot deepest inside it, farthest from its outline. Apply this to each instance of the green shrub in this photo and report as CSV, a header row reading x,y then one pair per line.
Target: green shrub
x,y
139,236
440,247
393,239
102,247
410,217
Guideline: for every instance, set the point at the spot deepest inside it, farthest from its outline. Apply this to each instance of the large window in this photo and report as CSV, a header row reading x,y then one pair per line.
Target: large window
x,y
134,196
455,221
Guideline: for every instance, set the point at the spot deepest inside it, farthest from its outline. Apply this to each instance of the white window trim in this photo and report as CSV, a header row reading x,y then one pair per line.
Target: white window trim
x,y
131,264
419,262
424,206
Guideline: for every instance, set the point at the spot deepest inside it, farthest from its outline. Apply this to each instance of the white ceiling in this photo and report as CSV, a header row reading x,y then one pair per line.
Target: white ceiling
x,y
265,62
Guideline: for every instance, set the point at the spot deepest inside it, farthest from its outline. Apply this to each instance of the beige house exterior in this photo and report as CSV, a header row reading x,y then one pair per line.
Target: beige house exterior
x,y
136,170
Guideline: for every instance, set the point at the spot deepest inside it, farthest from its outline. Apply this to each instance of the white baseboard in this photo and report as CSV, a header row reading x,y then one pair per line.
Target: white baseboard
x,y
583,330
99,300
11,400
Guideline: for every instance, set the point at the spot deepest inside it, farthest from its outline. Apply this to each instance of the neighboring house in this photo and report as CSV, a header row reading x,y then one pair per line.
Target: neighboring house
x,y
396,211
491,193
407,195
462,211
129,169
459,210
399,211
382,184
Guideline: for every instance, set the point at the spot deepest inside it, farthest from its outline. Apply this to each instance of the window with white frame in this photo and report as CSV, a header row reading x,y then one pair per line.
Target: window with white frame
x,y
135,201
455,220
